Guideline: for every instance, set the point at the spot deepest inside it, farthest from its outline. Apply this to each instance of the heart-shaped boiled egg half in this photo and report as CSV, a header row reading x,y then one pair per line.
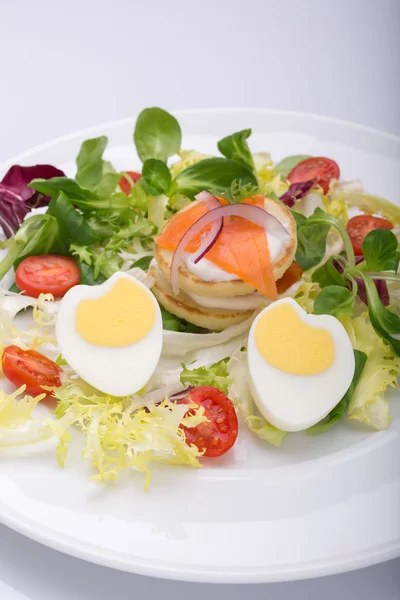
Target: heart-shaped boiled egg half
x,y
111,334
300,365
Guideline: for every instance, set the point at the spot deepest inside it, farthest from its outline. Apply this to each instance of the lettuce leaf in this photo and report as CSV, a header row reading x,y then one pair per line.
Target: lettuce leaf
x,y
265,431
122,434
306,295
187,158
347,193
35,336
177,344
368,404
239,393
119,434
156,210
216,375
271,182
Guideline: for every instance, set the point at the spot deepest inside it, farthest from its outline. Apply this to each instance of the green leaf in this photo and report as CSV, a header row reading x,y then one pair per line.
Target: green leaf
x,y
298,217
52,187
60,361
385,322
94,173
108,184
312,235
217,376
72,223
157,134
88,276
265,431
238,192
335,300
138,196
212,174
37,235
173,323
156,176
143,263
311,244
287,164
90,162
381,251
340,409
156,206
109,181
84,199
236,148
328,274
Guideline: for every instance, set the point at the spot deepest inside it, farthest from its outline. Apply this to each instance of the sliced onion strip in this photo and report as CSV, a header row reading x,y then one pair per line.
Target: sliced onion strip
x,y
254,214
216,227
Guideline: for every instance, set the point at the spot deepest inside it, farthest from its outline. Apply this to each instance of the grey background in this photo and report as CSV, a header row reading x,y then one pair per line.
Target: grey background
x,y
67,65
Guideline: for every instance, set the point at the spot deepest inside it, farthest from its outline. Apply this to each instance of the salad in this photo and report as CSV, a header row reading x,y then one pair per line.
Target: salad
x,y
171,307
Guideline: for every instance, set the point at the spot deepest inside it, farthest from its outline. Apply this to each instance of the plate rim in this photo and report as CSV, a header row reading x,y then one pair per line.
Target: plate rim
x,y
195,573
185,111
146,567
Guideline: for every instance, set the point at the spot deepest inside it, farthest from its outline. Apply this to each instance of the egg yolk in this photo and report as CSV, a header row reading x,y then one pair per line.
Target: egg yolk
x,y
289,344
123,316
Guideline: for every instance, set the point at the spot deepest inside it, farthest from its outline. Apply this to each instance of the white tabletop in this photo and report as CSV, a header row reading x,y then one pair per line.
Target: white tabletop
x,y
68,65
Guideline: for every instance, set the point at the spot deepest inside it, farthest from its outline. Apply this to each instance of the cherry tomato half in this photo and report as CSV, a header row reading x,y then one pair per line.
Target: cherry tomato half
x,y
317,167
291,276
125,184
217,435
51,274
359,227
30,368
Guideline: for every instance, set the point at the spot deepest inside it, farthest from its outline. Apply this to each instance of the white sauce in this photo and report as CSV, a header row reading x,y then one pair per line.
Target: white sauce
x,y
206,270
247,302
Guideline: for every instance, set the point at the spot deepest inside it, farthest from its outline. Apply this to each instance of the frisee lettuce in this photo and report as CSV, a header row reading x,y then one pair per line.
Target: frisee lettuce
x,y
35,336
269,179
381,371
350,195
119,434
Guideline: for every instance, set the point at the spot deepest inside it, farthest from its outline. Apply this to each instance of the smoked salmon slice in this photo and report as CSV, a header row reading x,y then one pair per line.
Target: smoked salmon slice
x,y
241,249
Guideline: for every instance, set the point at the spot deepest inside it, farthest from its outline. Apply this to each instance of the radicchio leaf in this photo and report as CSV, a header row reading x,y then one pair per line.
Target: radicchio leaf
x,y
17,199
380,285
296,191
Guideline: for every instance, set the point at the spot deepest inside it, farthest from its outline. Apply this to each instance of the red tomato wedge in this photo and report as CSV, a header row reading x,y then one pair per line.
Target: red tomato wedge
x,y
317,167
50,274
217,435
125,184
30,368
291,276
241,248
359,227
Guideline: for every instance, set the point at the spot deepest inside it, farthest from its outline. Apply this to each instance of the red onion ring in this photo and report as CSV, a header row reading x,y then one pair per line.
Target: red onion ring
x,y
181,394
216,227
255,214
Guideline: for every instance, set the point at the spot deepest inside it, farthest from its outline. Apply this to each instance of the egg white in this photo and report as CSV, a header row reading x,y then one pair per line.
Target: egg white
x,y
119,371
292,402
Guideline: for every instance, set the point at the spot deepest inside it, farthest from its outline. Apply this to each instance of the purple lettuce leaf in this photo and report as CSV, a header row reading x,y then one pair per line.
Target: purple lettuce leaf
x,y
380,285
296,191
17,199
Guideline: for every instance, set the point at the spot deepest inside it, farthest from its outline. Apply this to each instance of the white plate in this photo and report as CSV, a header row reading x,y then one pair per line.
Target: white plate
x,y
318,505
